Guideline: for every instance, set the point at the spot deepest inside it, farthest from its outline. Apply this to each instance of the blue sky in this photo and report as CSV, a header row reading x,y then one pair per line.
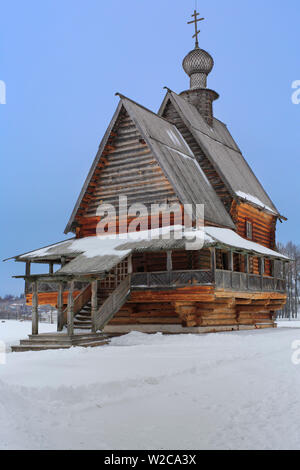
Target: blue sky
x,y
62,62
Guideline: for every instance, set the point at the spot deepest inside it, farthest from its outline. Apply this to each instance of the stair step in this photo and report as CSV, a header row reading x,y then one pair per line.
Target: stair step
x,y
61,341
63,337
82,318
83,327
38,347
45,347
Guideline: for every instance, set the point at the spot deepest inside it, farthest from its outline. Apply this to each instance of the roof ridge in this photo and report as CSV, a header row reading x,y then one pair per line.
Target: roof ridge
x,y
143,107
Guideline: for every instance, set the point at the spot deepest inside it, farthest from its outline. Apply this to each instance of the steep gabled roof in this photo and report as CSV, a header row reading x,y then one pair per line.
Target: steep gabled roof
x,y
174,157
220,148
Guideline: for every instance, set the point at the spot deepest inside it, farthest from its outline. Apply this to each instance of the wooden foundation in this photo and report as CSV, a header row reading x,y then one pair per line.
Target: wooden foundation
x,y
199,309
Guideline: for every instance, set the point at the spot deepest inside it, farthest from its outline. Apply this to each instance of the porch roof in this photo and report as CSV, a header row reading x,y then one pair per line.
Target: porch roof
x,y
101,254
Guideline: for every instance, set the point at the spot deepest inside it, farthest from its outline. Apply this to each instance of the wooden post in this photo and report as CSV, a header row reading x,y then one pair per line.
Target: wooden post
x,y
213,263
35,308
169,261
71,309
247,264
129,268
51,268
262,271
94,304
262,266
247,269
169,266
60,304
272,267
230,260
28,268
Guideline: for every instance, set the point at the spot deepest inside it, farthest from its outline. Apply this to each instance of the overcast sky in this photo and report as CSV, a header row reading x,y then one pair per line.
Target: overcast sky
x,y
62,62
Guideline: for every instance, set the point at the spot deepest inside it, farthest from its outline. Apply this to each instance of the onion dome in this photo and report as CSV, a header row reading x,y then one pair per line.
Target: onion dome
x,y
198,64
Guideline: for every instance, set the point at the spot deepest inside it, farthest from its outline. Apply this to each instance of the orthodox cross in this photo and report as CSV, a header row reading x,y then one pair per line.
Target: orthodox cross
x,y
196,21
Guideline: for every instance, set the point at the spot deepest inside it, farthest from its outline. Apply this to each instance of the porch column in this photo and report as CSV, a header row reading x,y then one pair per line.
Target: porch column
x,y
213,262
28,268
262,271
71,309
169,261
272,267
129,268
247,269
60,304
247,264
51,265
94,300
35,308
169,265
230,260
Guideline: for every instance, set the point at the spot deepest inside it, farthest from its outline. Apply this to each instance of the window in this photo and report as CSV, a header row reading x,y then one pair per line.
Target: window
x,y
249,230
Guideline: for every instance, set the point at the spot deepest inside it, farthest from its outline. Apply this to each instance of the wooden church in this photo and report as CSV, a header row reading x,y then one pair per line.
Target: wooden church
x,y
107,283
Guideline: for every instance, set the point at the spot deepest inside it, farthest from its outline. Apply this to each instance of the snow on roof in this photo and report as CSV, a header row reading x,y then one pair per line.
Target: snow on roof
x,y
254,200
230,238
101,253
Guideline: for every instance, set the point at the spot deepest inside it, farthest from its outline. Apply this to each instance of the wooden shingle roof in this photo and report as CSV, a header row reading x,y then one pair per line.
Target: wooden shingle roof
x,y
222,151
175,158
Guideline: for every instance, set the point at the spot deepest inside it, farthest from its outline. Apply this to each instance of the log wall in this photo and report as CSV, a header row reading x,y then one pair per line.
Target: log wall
x,y
127,167
264,230
50,298
199,306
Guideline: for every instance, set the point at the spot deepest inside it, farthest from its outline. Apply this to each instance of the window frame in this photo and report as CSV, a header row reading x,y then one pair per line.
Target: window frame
x,y
249,223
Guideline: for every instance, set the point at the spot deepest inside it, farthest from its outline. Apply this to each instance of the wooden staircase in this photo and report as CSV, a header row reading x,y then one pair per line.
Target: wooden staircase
x,y
83,319
112,293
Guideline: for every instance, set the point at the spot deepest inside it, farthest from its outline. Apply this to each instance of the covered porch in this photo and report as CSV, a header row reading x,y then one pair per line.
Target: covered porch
x,y
97,275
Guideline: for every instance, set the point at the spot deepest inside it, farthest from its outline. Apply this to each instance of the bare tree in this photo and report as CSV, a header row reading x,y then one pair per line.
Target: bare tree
x,y
292,277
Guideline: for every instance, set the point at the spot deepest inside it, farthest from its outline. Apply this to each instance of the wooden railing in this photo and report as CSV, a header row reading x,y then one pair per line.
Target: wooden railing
x,y
80,301
112,304
248,282
171,279
222,279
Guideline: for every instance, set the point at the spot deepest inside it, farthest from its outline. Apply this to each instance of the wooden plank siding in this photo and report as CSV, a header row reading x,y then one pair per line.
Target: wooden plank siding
x,y
128,168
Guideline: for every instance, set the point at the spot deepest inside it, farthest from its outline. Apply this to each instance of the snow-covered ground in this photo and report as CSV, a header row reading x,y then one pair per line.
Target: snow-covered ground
x,y
217,391
11,331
